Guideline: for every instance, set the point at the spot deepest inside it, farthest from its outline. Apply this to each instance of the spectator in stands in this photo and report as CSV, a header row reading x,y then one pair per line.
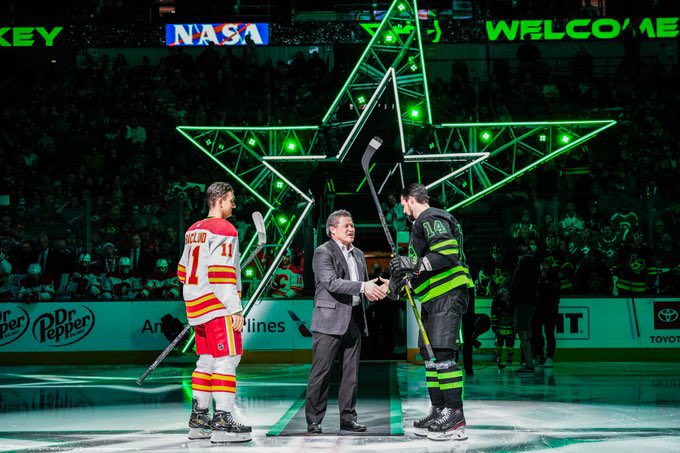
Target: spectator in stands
x,y
135,133
625,221
571,223
659,231
6,288
608,245
24,254
6,228
547,225
632,270
60,260
621,186
140,258
34,287
593,276
108,260
523,227
43,257
495,272
594,219
395,215
580,246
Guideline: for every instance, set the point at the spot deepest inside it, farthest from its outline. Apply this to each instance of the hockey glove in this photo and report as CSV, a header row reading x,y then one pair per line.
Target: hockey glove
x,y
404,266
395,287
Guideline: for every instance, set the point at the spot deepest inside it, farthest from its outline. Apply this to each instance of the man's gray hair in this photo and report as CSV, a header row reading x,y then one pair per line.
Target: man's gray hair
x,y
334,219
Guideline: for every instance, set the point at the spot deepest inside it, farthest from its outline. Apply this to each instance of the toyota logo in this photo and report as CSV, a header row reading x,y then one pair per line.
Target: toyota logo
x,y
667,315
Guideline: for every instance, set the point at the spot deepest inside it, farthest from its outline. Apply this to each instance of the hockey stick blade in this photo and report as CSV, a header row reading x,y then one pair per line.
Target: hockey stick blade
x,y
260,228
372,147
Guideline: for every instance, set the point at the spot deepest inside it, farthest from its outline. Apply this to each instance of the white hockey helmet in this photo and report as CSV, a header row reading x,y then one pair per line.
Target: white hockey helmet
x,y
34,269
125,263
161,265
84,258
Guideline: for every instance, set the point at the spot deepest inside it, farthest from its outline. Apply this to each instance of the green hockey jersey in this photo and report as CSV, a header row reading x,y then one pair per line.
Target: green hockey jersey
x,y
437,237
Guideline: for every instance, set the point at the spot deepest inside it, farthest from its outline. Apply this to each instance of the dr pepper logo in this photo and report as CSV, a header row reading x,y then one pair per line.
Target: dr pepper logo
x,y
14,322
62,327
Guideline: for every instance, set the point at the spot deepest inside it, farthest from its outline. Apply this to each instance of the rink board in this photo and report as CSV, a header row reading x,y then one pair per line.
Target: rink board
x,y
600,329
279,330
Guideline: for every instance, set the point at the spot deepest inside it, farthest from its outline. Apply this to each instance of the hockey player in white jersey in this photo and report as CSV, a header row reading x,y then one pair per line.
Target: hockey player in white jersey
x,y
287,280
123,285
35,288
84,284
162,284
209,269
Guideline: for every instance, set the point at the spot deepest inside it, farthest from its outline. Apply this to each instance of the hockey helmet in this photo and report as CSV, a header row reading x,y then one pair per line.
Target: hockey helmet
x,y
84,258
125,264
34,269
161,265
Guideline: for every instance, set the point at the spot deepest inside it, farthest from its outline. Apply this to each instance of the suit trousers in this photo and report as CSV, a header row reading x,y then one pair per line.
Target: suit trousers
x,y
325,348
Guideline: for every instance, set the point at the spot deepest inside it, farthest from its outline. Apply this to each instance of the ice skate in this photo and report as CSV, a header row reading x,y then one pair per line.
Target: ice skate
x,y
420,426
199,422
449,426
226,429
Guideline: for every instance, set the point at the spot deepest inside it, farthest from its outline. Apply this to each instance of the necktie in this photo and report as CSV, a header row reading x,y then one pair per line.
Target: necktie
x,y
134,259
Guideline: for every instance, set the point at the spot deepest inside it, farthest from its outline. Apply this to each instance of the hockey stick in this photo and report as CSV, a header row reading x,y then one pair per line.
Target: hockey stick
x,y
261,240
365,163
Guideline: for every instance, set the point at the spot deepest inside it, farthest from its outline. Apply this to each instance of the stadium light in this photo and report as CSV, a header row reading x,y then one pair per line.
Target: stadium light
x,y
486,136
291,146
282,219
249,272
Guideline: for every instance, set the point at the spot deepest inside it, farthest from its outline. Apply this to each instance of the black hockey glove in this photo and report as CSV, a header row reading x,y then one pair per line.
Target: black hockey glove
x,y
404,266
395,287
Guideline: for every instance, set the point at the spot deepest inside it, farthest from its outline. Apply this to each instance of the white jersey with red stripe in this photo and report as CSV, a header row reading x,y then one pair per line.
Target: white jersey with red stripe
x,y
287,282
210,271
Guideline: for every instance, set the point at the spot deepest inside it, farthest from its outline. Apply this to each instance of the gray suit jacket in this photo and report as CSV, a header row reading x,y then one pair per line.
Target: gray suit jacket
x,y
334,289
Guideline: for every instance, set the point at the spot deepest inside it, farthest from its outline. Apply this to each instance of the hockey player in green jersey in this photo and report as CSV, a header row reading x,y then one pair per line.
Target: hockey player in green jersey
x,y
440,280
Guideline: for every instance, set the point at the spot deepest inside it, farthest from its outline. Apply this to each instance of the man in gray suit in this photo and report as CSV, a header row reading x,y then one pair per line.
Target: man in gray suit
x,y
338,321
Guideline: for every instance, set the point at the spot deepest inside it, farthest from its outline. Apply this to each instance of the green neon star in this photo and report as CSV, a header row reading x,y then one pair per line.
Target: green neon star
x,y
251,155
